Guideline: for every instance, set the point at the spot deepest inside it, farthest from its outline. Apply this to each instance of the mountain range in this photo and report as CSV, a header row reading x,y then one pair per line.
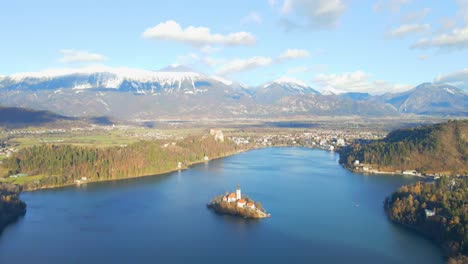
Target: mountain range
x,y
177,92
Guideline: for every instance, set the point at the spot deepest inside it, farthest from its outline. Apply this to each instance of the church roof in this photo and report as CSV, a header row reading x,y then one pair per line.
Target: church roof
x,y
232,195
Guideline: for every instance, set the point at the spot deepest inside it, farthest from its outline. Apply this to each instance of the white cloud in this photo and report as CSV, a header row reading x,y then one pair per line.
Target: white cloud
x,y
72,56
458,78
357,81
240,65
210,61
415,16
272,3
457,39
319,14
210,49
197,36
252,18
390,5
408,29
293,54
297,70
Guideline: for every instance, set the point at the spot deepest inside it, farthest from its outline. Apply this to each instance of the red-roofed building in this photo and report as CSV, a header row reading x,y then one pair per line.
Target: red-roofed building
x,y
241,203
231,197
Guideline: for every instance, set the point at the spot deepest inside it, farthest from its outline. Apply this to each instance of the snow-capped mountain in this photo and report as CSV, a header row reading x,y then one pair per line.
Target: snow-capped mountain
x,y
291,85
429,99
177,91
121,79
283,87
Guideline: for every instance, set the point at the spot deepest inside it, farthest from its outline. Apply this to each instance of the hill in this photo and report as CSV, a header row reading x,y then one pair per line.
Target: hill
x,y
440,148
17,117
438,210
11,207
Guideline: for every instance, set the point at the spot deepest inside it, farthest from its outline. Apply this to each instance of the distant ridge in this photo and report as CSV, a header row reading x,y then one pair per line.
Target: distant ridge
x,y
179,92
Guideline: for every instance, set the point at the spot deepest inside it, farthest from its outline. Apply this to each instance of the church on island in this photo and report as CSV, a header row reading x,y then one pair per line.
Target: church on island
x,y
234,204
237,198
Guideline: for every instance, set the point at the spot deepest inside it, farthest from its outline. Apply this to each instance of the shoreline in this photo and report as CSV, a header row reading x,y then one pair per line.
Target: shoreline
x,y
421,232
220,157
140,176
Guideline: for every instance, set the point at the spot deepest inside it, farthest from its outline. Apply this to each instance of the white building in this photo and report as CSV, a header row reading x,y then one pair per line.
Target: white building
x,y
238,193
241,203
231,197
429,213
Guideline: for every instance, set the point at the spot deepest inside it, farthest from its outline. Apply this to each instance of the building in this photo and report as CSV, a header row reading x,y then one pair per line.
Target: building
x,y
238,193
241,203
250,205
429,213
231,197
356,162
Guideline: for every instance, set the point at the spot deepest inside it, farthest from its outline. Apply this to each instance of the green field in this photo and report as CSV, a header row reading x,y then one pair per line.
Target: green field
x,y
23,180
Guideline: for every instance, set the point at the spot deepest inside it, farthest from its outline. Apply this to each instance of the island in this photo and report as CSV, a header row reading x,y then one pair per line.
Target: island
x,y
238,205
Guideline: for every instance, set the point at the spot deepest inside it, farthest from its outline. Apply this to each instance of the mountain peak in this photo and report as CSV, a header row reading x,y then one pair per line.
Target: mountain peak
x,y
438,87
288,80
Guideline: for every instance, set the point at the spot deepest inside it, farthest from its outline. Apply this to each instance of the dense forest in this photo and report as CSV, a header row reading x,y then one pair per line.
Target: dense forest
x,y
11,207
412,206
440,148
63,164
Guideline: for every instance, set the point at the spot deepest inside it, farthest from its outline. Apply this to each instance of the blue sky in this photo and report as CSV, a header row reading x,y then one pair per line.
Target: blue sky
x,y
349,45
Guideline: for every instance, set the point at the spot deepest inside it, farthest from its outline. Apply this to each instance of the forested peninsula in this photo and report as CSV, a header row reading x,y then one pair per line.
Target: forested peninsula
x,y
50,165
11,207
438,210
434,149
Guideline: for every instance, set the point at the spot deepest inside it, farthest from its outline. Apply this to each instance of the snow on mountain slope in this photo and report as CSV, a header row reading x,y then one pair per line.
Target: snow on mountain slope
x,y
290,85
104,77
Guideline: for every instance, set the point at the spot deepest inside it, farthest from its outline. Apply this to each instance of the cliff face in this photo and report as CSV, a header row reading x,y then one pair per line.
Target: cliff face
x,y
440,148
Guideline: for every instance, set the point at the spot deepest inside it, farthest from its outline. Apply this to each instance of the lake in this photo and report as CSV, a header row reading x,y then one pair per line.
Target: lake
x,y
321,213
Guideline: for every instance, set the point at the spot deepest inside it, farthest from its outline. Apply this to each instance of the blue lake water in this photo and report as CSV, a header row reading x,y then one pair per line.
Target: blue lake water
x,y
321,213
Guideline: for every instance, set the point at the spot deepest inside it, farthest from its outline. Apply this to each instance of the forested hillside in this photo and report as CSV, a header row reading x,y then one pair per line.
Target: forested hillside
x,y
447,199
63,164
440,148
11,207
